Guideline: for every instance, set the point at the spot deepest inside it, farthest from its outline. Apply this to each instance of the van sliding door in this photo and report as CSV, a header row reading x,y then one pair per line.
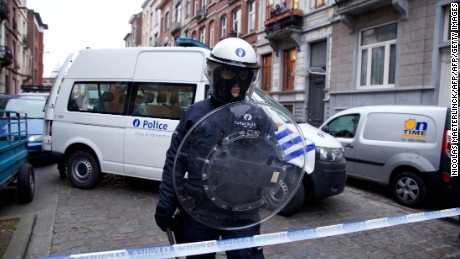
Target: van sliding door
x,y
153,110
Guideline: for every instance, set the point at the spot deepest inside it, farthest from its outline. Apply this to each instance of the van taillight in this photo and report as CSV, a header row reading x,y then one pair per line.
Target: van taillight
x,y
446,143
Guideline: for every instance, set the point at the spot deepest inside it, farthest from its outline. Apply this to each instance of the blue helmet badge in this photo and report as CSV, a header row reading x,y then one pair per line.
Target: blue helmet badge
x,y
240,52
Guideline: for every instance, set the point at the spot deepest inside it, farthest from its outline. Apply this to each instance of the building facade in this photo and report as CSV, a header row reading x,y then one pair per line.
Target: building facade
x,y
35,33
21,46
390,52
321,56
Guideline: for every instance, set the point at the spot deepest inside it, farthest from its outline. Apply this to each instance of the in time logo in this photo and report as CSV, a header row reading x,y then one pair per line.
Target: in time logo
x,y
415,129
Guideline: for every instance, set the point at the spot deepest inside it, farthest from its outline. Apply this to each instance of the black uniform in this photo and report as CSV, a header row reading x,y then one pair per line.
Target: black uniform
x,y
210,134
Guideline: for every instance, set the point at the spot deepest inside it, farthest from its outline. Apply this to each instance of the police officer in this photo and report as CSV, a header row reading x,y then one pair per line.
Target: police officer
x,y
232,68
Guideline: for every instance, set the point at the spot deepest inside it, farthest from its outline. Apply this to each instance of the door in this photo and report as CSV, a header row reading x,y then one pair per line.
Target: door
x,y
153,114
315,100
316,83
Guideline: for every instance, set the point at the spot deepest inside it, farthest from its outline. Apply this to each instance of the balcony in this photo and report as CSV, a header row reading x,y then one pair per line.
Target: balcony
x,y
201,14
348,9
175,29
3,10
6,56
286,25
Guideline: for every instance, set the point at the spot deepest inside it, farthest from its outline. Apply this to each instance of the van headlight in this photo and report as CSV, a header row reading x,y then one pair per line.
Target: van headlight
x,y
35,138
329,154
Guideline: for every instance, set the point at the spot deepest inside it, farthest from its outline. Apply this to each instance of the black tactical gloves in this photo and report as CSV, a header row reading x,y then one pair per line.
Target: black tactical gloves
x,y
164,218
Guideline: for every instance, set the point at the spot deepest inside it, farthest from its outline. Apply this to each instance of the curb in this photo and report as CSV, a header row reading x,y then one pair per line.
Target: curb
x,y
17,247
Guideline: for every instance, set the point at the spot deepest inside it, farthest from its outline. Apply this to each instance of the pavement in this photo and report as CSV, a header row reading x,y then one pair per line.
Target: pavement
x,y
120,214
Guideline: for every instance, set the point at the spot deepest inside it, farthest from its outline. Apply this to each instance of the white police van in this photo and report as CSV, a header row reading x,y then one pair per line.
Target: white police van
x,y
114,111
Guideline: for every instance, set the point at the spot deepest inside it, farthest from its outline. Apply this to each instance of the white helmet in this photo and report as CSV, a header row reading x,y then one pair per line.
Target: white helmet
x,y
232,64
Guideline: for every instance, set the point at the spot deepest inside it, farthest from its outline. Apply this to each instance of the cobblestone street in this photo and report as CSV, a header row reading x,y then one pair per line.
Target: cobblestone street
x,y
120,214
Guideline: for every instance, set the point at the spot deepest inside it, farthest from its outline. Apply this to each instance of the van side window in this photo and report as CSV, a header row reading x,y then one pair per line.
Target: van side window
x,y
98,97
162,100
344,126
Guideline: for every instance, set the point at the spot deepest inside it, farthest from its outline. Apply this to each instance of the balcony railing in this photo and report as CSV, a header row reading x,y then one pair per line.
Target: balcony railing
x,y
201,14
359,6
175,28
3,10
284,20
6,56
347,9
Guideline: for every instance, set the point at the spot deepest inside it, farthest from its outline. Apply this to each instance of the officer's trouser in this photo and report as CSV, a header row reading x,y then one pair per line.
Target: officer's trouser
x,y
193,231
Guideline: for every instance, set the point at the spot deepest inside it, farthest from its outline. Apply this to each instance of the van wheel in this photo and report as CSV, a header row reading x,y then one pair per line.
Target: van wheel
x,y
26,183
295,204
409,189
83,170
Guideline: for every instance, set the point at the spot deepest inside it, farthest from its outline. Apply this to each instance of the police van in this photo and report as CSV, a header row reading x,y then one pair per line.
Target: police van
x,y
114,111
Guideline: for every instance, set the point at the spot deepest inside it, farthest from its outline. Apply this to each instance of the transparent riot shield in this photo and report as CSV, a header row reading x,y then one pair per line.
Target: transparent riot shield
x,y
239,165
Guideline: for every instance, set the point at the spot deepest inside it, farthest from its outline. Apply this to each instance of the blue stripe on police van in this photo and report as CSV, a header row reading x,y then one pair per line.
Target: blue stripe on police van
x,y
282,134
291,143
216,246
294,154
310,147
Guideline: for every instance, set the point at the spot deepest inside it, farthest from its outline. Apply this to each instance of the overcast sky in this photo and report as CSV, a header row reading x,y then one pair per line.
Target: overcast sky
x,y
77,24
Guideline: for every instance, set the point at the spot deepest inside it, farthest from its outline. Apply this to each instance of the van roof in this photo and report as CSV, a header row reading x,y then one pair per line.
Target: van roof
x,y
395,108
181,64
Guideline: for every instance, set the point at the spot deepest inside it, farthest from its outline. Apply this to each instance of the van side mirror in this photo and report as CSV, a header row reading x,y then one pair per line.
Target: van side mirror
x,y
325,128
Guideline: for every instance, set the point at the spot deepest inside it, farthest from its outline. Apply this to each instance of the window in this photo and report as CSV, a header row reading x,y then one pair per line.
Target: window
x,y
252,16
447,23
162,100
344,126
211,34
317,3
187,9
177,13
166,21
266,73
237,22
223,26
103,97
288,69
158,100
377,56
203,34
195,11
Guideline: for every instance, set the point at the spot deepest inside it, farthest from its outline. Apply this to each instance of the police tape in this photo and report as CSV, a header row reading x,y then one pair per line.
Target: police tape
x,y
215,246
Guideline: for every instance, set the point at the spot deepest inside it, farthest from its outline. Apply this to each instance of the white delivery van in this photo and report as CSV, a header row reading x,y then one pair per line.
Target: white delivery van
x,y
114,111
405,147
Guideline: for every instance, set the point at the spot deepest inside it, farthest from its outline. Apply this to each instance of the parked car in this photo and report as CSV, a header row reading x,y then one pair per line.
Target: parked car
x,y
33,104
405,147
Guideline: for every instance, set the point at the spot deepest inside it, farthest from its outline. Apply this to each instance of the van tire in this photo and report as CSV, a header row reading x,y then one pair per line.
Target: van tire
x,y
83,169
295,204
26,183
409,189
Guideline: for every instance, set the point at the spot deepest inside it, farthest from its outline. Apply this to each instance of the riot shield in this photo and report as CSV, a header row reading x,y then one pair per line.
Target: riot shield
x,y
239,165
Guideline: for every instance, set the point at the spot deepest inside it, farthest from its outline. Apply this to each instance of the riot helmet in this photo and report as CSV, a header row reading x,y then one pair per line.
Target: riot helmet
x,y
232,70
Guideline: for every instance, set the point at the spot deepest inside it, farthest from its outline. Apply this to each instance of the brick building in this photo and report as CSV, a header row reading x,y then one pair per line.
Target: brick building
x,y
322,56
